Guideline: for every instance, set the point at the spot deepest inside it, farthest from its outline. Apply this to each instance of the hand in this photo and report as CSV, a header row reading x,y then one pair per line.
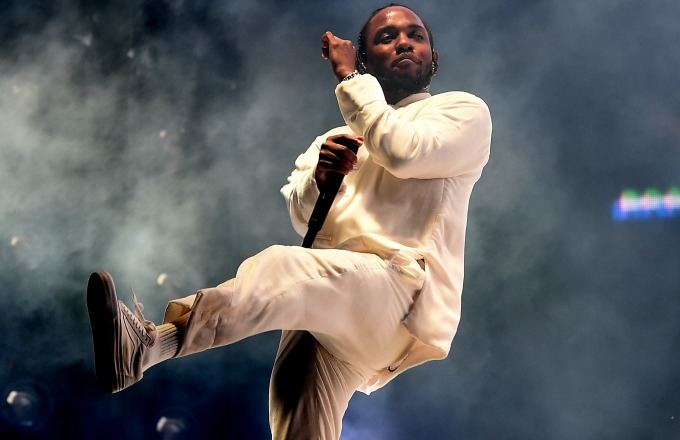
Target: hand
x,y
336,156
341,54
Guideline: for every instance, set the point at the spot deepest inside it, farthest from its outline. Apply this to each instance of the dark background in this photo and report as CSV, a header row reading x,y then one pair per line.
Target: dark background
x,y
150,137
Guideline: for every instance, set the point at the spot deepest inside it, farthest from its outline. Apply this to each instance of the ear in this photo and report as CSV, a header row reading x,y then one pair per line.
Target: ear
x,y
435,61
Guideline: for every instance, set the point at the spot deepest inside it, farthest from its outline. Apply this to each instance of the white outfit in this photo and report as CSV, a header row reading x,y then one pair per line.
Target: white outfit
x,y
381,291
409,196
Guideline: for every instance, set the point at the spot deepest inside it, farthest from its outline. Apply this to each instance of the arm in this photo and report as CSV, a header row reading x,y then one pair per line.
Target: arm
x,y
331,153
301,191
335,152
449,137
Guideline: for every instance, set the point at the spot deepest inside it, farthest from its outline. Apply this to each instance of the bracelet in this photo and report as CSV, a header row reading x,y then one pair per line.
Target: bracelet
x,y
351,75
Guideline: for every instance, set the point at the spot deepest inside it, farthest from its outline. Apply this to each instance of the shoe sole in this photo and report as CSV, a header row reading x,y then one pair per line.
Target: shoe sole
x,y
102,307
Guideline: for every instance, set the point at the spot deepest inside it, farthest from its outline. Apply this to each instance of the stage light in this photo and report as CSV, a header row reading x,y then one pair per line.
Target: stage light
x,y
27,405
650,204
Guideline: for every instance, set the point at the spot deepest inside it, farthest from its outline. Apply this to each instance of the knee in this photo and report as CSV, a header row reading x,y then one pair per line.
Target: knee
x,y
275,252
277,258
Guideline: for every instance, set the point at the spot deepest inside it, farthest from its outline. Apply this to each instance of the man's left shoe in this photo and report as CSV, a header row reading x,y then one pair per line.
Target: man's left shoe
x,y
120,336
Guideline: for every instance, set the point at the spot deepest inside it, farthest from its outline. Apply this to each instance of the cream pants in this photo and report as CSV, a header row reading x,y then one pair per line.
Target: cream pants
x,y
341,313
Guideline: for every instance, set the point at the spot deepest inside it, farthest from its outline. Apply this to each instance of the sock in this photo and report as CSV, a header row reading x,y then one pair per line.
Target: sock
x,y
165,347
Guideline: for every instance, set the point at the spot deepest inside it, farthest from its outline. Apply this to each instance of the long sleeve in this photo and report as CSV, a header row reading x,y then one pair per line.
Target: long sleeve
x,y
301,191
449,137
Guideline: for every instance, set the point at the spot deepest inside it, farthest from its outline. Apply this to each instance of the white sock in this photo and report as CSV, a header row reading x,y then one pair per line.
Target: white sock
x,y
165,347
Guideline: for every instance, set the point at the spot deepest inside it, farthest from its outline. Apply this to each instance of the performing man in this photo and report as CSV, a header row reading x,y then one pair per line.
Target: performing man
x,y
380,291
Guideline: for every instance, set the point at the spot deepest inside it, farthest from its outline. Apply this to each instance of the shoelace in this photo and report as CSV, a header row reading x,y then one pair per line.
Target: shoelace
x,y
137,319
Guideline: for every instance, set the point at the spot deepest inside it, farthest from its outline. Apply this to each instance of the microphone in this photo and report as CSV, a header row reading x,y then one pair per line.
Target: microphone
x,y
323,205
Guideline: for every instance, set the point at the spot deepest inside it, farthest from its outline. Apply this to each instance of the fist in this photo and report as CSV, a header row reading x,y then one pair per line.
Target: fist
x,y
337,155
341,54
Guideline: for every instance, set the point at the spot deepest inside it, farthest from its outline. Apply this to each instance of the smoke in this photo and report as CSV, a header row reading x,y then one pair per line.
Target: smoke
x,y
563,309
150,139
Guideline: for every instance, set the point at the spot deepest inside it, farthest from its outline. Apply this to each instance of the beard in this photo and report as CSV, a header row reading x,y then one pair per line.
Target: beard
x,y
405,84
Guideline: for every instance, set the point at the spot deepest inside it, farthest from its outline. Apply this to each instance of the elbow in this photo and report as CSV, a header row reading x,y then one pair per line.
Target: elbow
x,y
401,155
402,169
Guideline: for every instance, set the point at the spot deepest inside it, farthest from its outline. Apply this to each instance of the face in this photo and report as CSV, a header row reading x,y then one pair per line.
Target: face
x,y
398,51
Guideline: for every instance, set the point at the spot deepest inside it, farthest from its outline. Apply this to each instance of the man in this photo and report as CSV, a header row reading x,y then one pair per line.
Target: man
x,y
380,291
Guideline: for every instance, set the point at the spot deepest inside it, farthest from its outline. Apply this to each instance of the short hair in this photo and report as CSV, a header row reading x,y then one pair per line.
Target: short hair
x,y
361,41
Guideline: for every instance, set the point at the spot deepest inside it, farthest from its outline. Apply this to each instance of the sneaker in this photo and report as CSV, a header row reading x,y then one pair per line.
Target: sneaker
x,y
120,336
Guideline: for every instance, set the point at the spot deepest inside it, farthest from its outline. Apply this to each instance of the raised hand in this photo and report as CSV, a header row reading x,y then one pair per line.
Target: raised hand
x,y
341,54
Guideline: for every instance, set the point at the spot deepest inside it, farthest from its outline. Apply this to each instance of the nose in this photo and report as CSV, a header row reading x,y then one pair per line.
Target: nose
x,y
404,44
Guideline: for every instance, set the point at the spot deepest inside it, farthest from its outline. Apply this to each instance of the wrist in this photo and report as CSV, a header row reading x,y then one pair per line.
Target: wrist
x,y
350,75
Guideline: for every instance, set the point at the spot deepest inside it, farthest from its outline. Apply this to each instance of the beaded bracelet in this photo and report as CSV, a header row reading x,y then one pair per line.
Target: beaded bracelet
x,y
351,75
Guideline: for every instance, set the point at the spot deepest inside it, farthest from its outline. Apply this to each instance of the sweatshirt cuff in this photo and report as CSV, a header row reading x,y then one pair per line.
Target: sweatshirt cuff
x,y
355,94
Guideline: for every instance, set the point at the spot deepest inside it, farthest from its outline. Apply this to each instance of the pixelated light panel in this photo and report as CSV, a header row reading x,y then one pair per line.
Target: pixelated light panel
x,y
646,205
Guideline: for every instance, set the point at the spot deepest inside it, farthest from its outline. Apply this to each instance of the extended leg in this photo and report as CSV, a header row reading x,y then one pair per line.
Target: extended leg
x,y
353,303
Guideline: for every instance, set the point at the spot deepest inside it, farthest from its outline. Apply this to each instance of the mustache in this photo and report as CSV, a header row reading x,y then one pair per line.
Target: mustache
x,y
408,56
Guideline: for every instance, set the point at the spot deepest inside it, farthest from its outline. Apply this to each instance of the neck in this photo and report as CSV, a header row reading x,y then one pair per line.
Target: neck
x,y
395,95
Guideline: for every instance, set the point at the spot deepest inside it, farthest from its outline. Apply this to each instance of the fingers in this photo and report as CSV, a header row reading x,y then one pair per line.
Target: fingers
x,y
347,140
325,44
338,154
340,53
